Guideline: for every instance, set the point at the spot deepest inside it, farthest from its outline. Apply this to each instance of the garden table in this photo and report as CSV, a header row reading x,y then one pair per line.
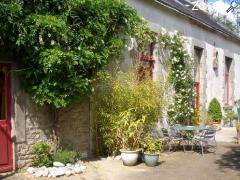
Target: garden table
x,y
190,128
188,132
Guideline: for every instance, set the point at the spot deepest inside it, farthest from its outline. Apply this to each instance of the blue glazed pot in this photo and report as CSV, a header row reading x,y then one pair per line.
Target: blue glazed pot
x,y
151,159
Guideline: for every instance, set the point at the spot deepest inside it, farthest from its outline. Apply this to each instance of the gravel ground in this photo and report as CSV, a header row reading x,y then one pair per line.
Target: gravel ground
x,y
224,164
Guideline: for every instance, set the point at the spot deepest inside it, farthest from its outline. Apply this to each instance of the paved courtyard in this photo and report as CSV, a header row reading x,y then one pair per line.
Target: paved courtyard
x,y
223,165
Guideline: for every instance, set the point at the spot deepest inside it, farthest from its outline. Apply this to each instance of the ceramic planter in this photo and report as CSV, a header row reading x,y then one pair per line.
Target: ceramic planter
x,y
129,158
151,159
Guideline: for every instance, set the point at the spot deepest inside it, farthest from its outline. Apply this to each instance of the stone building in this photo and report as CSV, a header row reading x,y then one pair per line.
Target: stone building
x,y
216,52
215,49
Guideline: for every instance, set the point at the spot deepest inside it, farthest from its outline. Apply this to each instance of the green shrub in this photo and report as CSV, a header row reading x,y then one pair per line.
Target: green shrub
x,y
152,145
214,111
43,156
66,156
238,126
125,107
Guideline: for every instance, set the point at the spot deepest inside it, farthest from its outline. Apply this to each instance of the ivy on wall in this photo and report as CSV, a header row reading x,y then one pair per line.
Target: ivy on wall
x,y
63,43
181,109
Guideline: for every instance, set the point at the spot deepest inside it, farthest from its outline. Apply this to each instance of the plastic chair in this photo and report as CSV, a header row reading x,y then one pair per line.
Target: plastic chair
x,y
205,139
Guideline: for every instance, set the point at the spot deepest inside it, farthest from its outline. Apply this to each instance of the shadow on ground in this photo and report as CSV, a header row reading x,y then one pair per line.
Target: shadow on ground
x,y
6,175
230,159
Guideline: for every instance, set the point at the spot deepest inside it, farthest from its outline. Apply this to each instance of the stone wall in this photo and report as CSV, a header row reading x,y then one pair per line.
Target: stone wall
x,y
73,128
32,124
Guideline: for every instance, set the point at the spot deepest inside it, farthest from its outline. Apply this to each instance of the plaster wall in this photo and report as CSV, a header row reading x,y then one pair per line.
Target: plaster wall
x,y
160,17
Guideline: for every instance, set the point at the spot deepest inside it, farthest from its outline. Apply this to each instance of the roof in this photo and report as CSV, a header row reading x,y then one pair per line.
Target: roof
x,y
185,8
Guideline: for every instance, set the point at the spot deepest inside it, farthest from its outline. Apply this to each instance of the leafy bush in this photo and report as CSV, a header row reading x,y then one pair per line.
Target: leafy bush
x,y
152,145
125,107
43,156
214,110
71,39
66,156
238,126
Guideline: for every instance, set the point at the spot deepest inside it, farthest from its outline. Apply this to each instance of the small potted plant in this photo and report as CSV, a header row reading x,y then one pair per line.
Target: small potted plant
x,y
152,148
129,130
215,113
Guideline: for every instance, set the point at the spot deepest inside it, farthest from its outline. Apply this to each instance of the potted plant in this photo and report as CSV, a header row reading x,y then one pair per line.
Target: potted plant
x,y
125,107
129,131
215,113
152,148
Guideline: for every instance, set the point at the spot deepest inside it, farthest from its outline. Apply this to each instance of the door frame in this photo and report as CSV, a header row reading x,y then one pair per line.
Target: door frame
x,y
7,121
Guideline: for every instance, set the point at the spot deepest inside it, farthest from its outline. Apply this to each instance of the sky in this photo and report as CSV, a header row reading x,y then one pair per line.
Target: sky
x,y
227,1
220,7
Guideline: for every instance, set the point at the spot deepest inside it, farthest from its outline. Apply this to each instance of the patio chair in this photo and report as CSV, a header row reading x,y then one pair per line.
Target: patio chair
x,y
172,137
205,139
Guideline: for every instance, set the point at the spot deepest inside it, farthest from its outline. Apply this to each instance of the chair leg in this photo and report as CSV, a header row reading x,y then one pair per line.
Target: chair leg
x,y
193,143
183,146
169,146
201,144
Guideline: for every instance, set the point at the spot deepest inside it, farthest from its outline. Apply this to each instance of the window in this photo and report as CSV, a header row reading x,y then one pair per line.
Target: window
x,y
147,63
197,72
227,80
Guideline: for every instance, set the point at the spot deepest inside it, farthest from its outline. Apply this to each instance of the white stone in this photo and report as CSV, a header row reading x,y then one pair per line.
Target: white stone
x,y
68,173
58,164
30,170
77,170
68,165
38,172
117,158
83,168
57,172
45,172
110,158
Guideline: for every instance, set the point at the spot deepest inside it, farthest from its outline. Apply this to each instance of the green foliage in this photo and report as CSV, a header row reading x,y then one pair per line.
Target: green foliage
x,y
66,156
230,114
181,110
152,145
189,135
214,111
43,156
125,107
63,43
230,25
238,126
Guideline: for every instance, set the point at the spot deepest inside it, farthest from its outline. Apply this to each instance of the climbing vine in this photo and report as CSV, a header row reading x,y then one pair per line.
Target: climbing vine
x,y
181,109
63,43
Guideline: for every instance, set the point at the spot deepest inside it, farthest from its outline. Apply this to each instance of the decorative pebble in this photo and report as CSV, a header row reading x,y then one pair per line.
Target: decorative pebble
x,y
30,170
58,164
58,170
117,158
68,165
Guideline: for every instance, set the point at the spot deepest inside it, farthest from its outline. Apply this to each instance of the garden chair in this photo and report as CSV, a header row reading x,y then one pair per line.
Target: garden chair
x,y
172,137
205,139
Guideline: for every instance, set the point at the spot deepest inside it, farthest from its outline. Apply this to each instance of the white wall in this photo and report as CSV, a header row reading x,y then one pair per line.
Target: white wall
x,y
158,17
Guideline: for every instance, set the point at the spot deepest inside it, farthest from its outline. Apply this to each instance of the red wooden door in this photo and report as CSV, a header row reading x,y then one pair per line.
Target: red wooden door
x,y
6,157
